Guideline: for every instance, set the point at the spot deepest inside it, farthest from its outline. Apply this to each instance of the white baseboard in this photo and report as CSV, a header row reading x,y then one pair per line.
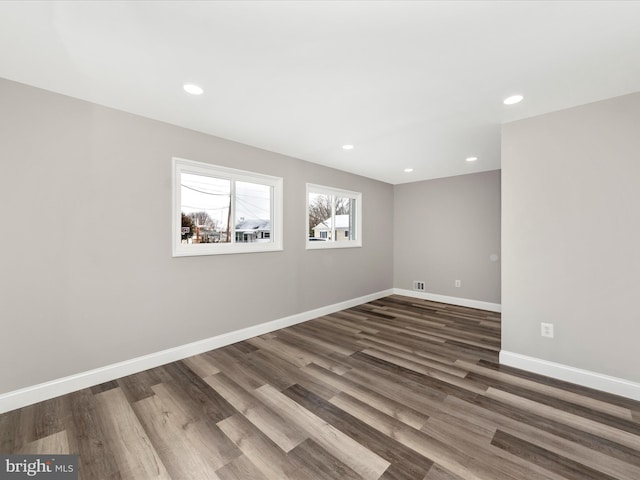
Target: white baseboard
x,y
585,378
44,391
462,302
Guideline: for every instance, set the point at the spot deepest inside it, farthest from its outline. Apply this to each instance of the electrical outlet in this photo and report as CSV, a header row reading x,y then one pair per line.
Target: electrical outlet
x,y
546,330
418,285
458,283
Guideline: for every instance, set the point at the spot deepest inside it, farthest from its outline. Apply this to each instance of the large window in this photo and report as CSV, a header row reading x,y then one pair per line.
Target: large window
x,y
334,217
223,210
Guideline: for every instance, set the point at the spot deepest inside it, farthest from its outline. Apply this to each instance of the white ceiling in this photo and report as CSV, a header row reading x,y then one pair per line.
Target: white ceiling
x,y
410,84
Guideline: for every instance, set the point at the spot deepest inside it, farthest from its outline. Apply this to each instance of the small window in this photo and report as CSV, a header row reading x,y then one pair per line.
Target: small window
x,y
219,210
333,217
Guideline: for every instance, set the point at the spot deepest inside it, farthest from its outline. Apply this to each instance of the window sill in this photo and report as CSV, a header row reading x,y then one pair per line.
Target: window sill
x,y
331,245
218,249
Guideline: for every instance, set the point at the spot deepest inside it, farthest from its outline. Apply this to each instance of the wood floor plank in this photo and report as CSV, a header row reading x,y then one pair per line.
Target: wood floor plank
x,y
240,468
334,322
385,404
277,372
415,358
103,387
428,447
87,439
415,390
40,420
264,419
406,462
340,343
439,473
194,392
236,368
551,460
416,347
551,391
372,416
366,463
594,460
574,443
9,428
282,375
188,448
559,403
615,435
201,365
138,386
245,347
395,328
490,461
271,460
466,383
318,464
569,387
57,444
132,449
324,355
288,353
395,389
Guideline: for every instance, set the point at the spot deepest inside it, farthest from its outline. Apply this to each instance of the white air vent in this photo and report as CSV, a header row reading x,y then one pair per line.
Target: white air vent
x,y
418,285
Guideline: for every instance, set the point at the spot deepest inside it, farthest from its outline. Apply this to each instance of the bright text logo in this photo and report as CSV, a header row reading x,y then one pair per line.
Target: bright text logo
x,y
50,467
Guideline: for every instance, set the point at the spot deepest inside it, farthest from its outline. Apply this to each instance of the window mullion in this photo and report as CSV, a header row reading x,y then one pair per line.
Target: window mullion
x,y
272,213
333,218
352,219
231,226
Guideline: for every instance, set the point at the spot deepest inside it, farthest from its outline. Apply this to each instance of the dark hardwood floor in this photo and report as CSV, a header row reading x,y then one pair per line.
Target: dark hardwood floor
x,y
394,389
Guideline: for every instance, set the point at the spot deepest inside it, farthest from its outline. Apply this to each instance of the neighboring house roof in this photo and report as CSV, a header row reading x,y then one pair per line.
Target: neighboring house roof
x,y
342,221
253,224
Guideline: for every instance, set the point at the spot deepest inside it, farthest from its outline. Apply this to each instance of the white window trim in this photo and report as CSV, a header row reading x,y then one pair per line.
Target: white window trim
x,y
181,165
313,188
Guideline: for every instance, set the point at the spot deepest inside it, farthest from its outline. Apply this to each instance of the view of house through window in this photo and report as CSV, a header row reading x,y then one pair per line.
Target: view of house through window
x,y
253,212
207,205
333,216
234,208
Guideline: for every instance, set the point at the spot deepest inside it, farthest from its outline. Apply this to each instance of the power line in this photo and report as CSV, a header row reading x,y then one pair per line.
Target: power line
x,y
204,209
251,211
206,193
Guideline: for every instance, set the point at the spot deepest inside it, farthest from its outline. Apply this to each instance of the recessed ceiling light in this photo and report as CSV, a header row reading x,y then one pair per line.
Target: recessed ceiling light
x,y
347,147
471,159
408,170
513,99
192,89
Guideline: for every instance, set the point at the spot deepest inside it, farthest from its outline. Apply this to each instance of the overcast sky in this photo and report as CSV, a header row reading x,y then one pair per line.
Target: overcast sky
x,y
210,194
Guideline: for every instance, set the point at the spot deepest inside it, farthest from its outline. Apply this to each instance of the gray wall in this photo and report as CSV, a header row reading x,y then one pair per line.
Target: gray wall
x,y
86,273
571,236
445,230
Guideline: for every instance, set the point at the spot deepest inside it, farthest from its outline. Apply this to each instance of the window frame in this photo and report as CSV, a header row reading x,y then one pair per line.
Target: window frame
x,y
181,165
334,243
